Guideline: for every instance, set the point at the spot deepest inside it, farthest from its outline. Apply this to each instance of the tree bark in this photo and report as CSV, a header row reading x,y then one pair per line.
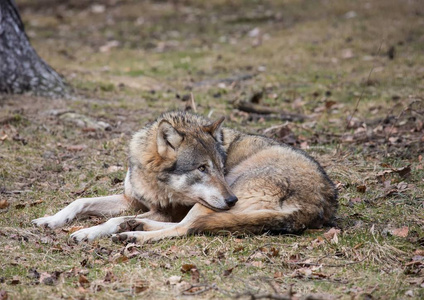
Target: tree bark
x,y
21,69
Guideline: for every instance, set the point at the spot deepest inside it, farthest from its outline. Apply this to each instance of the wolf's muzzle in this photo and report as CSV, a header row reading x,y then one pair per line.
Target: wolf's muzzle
x,y
231,201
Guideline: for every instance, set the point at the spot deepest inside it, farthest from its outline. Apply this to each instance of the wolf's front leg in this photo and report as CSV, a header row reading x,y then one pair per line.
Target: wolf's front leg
x,y
99,206
110,227
165,230
119,224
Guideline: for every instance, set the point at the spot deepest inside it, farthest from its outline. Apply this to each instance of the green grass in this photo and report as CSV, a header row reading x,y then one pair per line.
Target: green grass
x,y
301,62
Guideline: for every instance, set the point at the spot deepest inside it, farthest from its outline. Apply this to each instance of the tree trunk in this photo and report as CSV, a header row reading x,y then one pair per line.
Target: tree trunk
x,y
21,69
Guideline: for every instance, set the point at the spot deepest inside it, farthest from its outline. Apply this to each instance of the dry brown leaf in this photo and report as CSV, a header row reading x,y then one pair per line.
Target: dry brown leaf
x,y
403,172
140,286
361,188
4,203
119,258
228,272
3,295
15,280
317,242
47,278
73,229
34,203
381,176
274,252
195,275
419,252
329,104
83,281
331,233
20,205
400,232
187,267
109,277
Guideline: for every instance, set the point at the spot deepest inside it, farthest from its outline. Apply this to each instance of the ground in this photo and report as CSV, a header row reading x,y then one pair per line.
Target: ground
x,y
343,80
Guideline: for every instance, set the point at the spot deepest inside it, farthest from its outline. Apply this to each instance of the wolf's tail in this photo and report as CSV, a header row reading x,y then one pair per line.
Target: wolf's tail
x,y
251,222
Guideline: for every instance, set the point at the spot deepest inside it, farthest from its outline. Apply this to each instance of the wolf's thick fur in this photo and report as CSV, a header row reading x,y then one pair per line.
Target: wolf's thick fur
x,y
190,175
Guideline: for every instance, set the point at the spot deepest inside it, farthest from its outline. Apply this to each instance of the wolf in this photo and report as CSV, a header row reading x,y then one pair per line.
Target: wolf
x,y
190,175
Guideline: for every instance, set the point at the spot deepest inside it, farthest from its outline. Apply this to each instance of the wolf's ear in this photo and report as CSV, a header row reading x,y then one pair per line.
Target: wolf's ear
x,y
215,129
168,138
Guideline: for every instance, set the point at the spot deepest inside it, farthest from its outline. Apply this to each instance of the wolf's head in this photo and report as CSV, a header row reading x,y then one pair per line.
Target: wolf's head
x,y
195,162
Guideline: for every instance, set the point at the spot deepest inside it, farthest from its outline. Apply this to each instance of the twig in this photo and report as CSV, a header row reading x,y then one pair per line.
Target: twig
x,y
264,296
193,103
398,117
206,288
305,264
349,119
15,192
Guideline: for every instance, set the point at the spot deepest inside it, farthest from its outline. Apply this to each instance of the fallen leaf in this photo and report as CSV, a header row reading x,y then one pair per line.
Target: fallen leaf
x,y
34,203
195,275
76,148
347,53
15,280
402,186
356,200
238,249
331,233
329,104
403,172
131,251
108,46
47,278
4,137
228,272
187,267
33,273
317,242
140,286
400,232
274,252
419,252
257,264
83,281
3,295
113,169
20,205
173,280
409,293
119,258
381,176
4,203
361,188
72,229
109,277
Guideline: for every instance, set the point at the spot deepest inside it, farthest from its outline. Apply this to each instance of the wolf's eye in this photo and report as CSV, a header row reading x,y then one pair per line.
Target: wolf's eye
x,y
202,168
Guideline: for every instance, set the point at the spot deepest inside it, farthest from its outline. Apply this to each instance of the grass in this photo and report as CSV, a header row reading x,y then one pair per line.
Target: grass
x,y
310,58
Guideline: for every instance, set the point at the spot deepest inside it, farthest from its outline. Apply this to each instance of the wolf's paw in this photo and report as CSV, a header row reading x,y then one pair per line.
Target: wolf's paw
x,y
131,225
86,234
128,237
49,222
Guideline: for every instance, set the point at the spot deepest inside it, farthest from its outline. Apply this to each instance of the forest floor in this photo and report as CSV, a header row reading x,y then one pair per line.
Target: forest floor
x,y
343,80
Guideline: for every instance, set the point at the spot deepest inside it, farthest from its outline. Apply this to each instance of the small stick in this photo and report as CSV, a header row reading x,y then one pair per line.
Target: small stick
x,y
193,104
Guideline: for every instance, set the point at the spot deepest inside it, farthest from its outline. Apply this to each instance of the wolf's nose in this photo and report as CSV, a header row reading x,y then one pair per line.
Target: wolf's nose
x,y
231,201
